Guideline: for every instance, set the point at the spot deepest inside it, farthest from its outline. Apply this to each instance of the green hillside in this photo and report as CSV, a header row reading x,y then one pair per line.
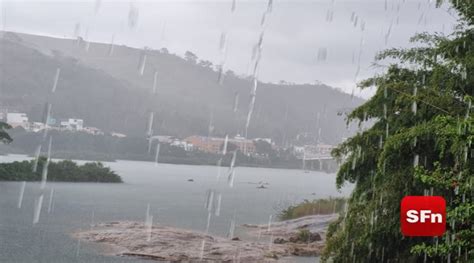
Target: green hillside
x,y
108,92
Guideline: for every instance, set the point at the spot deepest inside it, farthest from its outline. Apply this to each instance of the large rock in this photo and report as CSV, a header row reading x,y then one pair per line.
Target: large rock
x,y
163,243
178,245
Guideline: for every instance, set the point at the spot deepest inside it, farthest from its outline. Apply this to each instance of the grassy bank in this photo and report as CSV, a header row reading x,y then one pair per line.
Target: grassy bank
x,y
314,207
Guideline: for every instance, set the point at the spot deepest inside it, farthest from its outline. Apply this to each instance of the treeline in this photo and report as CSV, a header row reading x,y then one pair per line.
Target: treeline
x,y
62,171
83,146
80,145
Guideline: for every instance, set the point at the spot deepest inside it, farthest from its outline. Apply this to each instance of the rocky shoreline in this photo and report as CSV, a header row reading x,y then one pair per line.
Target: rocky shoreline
x,y
298,237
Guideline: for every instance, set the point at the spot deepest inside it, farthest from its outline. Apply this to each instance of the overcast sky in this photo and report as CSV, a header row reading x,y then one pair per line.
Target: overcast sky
x,y
295,31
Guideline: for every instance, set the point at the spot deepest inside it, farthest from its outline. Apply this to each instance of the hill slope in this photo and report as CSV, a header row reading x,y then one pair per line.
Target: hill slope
x,y
108,91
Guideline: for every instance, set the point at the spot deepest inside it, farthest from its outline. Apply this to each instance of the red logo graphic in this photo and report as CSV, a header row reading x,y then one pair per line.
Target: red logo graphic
x,y
423,216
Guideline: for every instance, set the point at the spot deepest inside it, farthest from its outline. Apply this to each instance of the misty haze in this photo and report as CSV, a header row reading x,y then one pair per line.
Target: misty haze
x,y
234,131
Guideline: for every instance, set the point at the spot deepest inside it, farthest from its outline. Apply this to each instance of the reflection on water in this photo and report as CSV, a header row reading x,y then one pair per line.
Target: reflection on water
x,y
172,198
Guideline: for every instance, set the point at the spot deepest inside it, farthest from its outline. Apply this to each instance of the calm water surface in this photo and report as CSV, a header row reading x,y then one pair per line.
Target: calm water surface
x,y
173,201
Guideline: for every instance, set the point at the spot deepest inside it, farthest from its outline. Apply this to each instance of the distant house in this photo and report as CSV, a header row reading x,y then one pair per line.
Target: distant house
x,y
18,119
92,130
214,144
323,149
313,151
298,150
72,124
182,144
37,126
173,141
267,140
164,138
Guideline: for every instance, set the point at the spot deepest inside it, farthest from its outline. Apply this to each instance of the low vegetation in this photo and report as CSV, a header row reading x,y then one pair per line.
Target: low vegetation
x,y
106,148
315,207
62,171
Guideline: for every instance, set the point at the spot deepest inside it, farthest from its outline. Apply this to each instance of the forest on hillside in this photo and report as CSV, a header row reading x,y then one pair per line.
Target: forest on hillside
x,y
189,98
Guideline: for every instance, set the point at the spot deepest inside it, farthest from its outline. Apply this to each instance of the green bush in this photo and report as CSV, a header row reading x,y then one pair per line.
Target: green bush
x,y
315,207
62,171
304,235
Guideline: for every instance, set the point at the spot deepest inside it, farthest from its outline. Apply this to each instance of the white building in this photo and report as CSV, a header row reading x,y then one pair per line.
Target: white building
x,y
72,124
18,119
267,140
182,144
93,130
37,126
319,151
173,141
164,138
298,150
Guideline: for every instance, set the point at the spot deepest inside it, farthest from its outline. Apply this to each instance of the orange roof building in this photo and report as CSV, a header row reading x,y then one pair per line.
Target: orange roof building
x,y
214,144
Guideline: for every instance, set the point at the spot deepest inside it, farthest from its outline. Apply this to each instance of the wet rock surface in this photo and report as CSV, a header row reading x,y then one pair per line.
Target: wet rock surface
x,y
163,243
303,236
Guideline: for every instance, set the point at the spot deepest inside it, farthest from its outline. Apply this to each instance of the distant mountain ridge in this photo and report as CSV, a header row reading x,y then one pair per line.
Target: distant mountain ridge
x,y
102,84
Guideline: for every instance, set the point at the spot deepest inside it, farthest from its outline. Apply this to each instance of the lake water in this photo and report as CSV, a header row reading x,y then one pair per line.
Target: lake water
x,y
173,201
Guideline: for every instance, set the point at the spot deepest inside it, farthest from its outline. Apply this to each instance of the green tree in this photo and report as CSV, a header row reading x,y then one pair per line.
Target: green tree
x,y
4,137
62,171
265,148
230,147
420,144
191,57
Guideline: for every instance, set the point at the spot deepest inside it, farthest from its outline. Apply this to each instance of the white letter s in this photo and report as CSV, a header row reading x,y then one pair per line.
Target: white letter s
x,y
412,216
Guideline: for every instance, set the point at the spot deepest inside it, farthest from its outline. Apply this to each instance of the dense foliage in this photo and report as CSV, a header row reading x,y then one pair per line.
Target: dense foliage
x,y
62,171
420,144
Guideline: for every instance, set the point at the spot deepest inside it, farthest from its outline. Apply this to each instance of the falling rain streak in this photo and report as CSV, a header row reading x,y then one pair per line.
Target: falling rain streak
x,y
256,56
146,71
157,152
142,63
77,31
97,6
22,193
414,106
56,79
155,80
132,15
51,201
37,211
322,54
224,148
111,46
44,174
149,132
231,172
223,54
37,157
148,223
236,101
